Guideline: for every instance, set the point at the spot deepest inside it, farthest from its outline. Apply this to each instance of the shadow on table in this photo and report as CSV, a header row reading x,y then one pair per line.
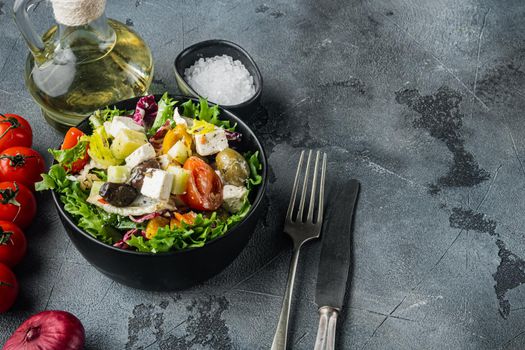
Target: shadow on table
x,y
94,347
341,332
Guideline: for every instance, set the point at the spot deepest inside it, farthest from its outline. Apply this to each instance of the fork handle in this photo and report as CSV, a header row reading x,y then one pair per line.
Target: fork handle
x,y
281,334
326,332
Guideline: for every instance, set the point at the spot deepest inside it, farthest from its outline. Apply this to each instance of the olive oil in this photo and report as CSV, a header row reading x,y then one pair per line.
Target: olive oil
x,y
81,69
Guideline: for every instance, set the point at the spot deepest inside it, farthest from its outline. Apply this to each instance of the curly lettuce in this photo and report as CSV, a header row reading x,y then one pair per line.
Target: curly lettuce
x,y
164,113
100,116
101,225
67,157
203,229
204,112
255,168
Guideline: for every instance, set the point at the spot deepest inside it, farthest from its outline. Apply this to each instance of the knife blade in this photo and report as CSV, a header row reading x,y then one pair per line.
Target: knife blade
x,y
334,264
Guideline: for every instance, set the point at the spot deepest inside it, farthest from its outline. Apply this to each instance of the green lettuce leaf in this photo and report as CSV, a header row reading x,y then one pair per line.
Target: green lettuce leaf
x,y
67,157
189,109
204,229
164,113
203,111
101,174
255,168
100,116
54,179
101,225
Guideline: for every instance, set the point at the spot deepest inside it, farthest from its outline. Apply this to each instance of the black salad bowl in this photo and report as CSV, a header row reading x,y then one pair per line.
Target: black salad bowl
x,y
211,48
178,269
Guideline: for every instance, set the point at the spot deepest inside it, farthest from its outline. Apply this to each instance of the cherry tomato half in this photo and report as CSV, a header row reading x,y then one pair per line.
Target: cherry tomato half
x,y
13,244
17,203
14,131
204,188
8,288
70,141
21,164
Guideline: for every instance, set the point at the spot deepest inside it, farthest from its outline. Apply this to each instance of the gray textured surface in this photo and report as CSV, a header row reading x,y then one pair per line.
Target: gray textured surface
x,y
420,100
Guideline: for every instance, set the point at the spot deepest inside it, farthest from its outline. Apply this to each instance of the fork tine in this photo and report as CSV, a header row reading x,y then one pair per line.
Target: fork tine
x,y
321,191
295,186
300,212
310,216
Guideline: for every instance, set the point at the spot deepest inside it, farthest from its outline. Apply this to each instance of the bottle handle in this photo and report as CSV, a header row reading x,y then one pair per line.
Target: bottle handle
x,y
21,12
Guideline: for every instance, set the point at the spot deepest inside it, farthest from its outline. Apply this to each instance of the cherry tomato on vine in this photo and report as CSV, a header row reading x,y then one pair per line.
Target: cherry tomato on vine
x,y
21,164
17,204
13,244
204,188
8,288
14,131
70,141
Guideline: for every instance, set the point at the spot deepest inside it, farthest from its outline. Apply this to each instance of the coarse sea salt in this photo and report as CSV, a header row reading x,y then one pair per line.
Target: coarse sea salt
x,y
221,80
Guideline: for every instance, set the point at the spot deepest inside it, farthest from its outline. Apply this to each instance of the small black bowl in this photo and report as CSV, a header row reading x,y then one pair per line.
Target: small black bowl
x,y
177,269
211,48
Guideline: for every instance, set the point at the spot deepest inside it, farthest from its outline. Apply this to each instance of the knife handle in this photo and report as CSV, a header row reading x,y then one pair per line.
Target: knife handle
x,y
326,332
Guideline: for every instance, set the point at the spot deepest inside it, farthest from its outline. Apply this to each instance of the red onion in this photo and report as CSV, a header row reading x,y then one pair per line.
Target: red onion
x,y
48,330
145,217
145,111
127,236
233,135
122,244
156,140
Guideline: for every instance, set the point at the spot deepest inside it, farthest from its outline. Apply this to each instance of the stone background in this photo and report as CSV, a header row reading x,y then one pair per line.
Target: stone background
x,y
420,100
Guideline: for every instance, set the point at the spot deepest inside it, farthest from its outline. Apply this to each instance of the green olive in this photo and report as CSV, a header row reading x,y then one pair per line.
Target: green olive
x,y
233,167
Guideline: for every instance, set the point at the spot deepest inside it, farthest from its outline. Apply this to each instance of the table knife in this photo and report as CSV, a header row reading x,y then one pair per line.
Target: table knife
x,y
334,264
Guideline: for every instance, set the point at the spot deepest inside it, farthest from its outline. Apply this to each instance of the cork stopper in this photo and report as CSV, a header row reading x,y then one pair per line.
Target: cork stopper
x,y
77,12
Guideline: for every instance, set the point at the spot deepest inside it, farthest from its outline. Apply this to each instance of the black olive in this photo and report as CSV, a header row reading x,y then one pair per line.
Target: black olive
x,y
137,173
119,195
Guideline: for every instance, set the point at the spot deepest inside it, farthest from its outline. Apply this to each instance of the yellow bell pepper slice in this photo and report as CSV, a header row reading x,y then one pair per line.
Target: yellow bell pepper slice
x,y
174,135
154,225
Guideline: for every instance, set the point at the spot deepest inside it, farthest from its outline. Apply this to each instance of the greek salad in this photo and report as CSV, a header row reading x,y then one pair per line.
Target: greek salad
x,y
166,176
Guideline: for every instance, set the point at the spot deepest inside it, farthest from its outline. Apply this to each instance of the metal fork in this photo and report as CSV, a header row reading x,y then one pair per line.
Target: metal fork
x,y
300,230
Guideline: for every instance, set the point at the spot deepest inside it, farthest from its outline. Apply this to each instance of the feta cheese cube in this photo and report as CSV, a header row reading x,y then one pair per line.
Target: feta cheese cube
x,y
179,120
233,197
211,142
141,154
157,184
120,123
107,127
164,161
189,121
